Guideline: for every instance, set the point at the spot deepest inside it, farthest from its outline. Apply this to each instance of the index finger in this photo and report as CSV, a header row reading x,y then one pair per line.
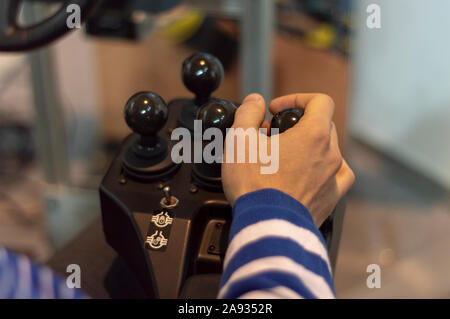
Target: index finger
x,y
317,107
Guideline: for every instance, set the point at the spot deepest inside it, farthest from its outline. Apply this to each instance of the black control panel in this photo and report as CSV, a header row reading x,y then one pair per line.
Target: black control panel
x,y
170,221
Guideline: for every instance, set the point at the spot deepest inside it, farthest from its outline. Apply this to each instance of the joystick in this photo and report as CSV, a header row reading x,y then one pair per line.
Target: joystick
x,y
286,119
218,113
202,74
146,113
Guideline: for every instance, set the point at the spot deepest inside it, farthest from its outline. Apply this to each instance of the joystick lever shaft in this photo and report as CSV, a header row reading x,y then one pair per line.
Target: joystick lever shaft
x,y
167,195
168,201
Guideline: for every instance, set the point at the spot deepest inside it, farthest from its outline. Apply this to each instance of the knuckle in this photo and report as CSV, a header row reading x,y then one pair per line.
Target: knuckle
x,y
326,99
336,161
320,136
240,115
248,109
239,111
351,176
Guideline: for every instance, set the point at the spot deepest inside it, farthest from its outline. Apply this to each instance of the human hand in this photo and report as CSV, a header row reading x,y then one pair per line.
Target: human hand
x,y
311,168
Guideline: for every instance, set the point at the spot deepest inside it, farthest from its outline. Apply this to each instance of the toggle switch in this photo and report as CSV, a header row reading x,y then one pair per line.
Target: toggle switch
x,y
168,201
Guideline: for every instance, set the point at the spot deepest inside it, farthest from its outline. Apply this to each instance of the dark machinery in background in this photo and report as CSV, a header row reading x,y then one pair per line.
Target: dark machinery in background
x,y
14,37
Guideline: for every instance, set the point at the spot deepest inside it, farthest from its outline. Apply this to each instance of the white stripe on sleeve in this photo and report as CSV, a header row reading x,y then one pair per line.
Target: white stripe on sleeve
x,y
23,278
46,289
316,284
277,228
278,292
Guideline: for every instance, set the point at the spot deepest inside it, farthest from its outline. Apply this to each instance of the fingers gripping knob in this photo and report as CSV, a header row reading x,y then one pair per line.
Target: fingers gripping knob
x,y
286,119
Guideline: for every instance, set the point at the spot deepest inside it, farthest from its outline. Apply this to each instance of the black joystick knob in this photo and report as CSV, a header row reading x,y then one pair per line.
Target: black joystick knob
x,y
217,113
286,119
202,74
146,113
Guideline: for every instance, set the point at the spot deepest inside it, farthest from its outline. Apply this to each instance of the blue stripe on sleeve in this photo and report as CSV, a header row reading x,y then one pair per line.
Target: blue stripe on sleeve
x,y
267,204
35,293
273,246
12,268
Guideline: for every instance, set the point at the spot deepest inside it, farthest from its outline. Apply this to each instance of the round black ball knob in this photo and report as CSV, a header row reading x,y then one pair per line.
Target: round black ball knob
x,y
217,113
286,119
202,74
146,113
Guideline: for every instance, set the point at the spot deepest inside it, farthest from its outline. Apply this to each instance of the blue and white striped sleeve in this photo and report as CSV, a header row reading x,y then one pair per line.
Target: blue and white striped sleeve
x,y
20,278
275,250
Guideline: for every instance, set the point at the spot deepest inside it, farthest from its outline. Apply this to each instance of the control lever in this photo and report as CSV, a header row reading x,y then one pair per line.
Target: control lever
x,y
146,113
168,201
218,113
202,74
286,119
147,157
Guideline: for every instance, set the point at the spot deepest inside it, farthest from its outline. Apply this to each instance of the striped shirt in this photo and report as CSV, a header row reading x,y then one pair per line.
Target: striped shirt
x,y
20,278
275,250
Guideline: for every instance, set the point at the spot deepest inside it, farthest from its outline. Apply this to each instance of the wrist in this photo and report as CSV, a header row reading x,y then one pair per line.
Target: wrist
x,y
269,197
272,204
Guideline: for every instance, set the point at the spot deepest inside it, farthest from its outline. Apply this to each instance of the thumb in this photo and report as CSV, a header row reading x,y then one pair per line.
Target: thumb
x,y
251,113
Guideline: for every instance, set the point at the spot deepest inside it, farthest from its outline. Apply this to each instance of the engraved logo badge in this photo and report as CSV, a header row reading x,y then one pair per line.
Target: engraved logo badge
x,y
162,219
157,240
158,232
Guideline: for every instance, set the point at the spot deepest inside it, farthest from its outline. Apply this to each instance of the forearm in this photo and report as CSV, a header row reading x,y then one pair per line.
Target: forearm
x,y
275,250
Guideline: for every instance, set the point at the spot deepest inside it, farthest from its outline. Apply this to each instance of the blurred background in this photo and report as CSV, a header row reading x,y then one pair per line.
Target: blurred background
x,y
61,116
